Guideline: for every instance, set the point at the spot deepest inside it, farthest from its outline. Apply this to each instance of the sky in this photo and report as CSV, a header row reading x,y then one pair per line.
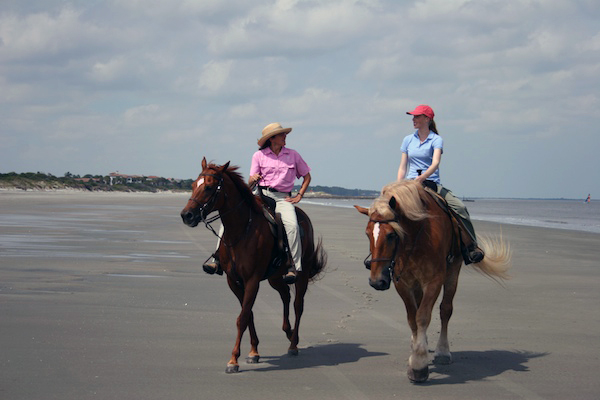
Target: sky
x,y
150,87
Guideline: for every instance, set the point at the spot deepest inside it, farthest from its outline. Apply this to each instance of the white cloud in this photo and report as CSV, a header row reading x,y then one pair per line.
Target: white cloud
x,y
293,27
196,78
214,75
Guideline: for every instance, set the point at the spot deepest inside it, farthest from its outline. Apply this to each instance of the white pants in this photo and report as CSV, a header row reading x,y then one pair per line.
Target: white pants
x,y
290,224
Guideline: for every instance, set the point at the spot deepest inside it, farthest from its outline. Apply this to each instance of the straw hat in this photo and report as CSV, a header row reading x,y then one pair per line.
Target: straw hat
x,y
271,130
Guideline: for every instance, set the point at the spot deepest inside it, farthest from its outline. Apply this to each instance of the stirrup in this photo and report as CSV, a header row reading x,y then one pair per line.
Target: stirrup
x,y
290,277
474,255
212,268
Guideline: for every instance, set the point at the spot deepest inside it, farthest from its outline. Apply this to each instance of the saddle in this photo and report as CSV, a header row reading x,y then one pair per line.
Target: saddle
x,y
281,254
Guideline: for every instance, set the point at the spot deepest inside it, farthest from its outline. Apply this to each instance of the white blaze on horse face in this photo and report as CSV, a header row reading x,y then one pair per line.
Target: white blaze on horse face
x,y
200,182
375,232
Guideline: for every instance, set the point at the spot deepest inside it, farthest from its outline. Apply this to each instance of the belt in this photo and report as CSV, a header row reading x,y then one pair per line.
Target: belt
x,y
270,189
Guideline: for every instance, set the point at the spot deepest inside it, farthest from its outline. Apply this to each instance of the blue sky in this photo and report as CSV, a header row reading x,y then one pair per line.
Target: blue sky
x,y
152,86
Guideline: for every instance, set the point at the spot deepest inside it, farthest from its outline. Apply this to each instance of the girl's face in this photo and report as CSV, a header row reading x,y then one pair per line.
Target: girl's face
x,y
420,122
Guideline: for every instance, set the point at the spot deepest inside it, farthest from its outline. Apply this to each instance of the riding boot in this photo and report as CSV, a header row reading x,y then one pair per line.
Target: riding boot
x,y
468,246
214,267
290,276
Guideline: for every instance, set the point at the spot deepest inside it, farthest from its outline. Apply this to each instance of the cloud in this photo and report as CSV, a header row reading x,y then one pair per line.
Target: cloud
x,y
151,86
293,27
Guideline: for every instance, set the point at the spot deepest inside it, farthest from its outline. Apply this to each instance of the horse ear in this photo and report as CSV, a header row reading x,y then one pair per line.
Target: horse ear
x,y
203,162
362,210
392,202
224,166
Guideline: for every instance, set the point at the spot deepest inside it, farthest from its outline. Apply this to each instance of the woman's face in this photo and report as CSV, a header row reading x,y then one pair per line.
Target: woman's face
x,y
420,121
279,139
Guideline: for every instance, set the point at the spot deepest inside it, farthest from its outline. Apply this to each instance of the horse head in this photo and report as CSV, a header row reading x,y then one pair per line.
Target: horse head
x,y
207,194
395,224
382,231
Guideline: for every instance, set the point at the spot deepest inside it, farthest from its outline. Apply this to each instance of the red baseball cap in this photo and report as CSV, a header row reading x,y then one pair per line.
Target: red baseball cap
x,y
423,109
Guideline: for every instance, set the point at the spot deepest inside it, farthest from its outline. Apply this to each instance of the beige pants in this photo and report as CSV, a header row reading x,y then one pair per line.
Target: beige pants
x,y
290,224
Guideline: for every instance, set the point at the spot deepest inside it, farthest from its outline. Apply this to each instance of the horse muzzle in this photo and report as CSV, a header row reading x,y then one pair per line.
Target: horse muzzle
x,y
383,280
191,218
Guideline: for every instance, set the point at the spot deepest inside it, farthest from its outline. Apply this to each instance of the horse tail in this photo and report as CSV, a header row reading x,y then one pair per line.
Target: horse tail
x,y
497,260
317,262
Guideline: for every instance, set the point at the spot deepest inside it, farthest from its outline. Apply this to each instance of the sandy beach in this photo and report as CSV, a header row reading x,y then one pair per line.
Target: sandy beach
x,y
102,296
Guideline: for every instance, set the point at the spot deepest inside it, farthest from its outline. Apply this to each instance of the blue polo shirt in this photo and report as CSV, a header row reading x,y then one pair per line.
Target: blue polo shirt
x,y
420,155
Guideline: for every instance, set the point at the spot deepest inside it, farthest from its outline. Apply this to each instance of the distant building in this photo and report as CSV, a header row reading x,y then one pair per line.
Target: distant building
x,y
116,178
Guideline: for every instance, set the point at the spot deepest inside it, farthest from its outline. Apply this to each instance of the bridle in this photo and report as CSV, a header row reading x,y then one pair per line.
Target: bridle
x,y
210,203
392,259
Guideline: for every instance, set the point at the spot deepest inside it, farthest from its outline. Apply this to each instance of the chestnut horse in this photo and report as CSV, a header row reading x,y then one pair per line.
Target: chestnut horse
x,y
247,249
414,242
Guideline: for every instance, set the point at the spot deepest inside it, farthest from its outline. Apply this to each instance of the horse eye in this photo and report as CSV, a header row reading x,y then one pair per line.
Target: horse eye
x,y
391,236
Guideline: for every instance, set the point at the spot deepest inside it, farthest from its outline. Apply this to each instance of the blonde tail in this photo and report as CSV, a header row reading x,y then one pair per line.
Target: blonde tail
x,y
497,260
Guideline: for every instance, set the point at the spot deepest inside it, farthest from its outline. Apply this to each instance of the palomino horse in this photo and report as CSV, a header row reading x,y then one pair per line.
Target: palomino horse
x,y
415,243
247,249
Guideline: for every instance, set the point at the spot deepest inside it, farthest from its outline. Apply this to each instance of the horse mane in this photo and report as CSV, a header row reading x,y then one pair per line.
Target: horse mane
x,y
241,186
409,203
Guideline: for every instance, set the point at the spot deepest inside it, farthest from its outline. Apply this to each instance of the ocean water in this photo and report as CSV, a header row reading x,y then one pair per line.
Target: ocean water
x,y
560,214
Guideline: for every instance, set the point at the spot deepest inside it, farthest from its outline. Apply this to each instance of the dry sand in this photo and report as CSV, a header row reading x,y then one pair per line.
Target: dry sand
x,y
102,296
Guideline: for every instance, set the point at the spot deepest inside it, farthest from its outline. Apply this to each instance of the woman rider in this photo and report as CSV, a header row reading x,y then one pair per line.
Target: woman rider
x,y
275,168
421,156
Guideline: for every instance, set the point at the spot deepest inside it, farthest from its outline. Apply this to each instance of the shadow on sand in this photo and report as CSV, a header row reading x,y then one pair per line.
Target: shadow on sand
x,y
317,356
479,365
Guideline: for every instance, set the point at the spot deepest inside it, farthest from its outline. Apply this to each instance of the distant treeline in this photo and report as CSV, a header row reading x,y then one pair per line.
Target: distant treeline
x,y
342,192
135,183
106,183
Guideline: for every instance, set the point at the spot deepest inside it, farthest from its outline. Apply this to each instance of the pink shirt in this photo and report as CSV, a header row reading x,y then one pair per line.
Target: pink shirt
x,y
278,171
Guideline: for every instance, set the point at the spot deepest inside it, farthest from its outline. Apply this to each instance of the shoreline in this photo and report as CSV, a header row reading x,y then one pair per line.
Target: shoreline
x,y
70,193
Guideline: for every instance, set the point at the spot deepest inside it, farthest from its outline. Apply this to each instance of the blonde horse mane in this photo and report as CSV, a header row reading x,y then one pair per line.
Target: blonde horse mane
x,y
408,203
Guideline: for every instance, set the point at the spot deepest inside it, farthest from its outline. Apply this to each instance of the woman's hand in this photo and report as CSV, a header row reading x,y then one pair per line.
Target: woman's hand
x,y
421,178
253,180
295,199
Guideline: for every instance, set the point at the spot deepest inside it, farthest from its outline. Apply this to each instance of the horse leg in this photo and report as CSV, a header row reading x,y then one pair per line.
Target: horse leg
x,y
278,284
418,363
411,305
301,287
442,350
246,295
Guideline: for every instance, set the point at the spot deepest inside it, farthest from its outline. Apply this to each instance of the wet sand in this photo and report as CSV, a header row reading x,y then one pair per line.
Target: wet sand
x,y
102,296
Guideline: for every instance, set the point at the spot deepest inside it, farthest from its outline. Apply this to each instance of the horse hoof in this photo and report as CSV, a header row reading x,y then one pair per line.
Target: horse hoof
x,y
293,352
418,375
232,369
252,360
442,359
